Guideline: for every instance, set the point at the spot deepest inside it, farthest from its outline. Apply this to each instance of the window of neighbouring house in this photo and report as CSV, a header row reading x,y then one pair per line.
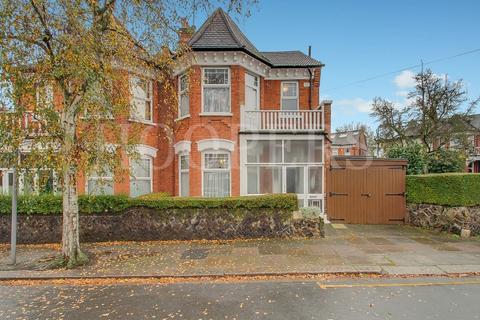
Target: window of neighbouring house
x,y
142,99
216,90
100,182
216,174
6,182
289,97
140,176
183,97
44,96
334,152
184,173
347,151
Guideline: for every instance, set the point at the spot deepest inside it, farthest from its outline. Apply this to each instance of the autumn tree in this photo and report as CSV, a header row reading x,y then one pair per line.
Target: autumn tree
x,y
437,113
68,61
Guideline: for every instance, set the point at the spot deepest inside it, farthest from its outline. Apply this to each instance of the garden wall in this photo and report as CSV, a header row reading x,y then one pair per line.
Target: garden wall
x,y
162,219
448,202
450,219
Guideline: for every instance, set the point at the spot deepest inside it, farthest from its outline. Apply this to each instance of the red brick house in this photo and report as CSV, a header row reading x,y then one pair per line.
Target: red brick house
x,y
248,122
349,143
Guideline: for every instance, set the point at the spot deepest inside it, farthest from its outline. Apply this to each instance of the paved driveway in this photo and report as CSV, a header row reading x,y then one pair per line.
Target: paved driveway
x,y
347,248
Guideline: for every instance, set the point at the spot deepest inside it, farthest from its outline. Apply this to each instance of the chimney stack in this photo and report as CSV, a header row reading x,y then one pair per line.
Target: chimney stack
x,y
185,32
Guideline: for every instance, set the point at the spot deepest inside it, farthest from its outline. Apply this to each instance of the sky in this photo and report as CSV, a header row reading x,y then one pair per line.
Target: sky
x,y
363,39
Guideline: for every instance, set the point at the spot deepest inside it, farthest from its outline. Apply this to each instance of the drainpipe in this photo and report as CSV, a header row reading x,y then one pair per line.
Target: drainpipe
x,y
311,80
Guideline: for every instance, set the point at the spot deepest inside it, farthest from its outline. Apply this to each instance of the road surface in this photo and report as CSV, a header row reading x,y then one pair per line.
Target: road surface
x,y
425,298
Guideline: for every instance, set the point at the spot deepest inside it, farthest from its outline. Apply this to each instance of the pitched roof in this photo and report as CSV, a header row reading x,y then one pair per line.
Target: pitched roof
x,y
291,59
345,138
220,32
475,121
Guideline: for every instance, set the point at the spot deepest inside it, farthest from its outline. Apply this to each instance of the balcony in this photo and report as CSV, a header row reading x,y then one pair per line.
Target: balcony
x,y
281,121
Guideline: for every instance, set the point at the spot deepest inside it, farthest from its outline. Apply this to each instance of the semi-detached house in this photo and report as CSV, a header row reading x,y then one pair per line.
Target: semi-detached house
x,y
248,123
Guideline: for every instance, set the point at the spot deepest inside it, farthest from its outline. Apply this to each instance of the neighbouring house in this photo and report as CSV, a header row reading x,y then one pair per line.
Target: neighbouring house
x,y
349,143
473,155
247,123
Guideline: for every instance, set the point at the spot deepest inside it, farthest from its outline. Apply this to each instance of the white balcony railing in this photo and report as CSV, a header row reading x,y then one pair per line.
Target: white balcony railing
x,y
281,120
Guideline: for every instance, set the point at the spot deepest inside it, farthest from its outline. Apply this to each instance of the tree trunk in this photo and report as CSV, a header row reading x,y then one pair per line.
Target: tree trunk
x,y
71,227
70,235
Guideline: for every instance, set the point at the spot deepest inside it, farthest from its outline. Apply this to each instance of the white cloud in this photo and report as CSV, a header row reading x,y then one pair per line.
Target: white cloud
x,y
356,104
405,79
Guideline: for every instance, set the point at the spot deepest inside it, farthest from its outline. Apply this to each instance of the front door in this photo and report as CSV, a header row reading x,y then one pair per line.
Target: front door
x,y
295,182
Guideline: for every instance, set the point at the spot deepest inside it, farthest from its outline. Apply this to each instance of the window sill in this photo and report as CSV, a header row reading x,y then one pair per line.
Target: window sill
x,y
183,117
215,114
146,122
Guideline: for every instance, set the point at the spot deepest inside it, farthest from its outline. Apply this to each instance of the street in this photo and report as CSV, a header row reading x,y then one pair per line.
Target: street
x,y
381,298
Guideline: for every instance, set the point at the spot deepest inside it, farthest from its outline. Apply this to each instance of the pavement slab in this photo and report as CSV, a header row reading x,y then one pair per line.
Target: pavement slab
x,y
357,248
415,270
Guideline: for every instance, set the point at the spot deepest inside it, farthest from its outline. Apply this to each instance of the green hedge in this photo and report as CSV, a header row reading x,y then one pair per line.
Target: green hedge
x,y
50,204
449,189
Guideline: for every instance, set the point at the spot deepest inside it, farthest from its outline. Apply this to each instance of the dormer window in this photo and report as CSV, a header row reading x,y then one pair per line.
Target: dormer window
x,y
216,91
142,101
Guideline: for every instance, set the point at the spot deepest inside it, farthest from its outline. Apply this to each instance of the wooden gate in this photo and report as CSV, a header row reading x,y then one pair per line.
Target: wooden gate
x,y
366,191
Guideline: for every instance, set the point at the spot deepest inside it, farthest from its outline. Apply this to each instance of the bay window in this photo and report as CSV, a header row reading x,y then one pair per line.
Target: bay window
x,y
289,93
142,99
216,90
184,173
216,174
141,176
183,97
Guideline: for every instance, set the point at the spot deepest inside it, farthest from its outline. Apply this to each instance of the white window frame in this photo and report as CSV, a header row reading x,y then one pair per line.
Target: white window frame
x,y
182,92
282,97
229,169
5,171
229,86
142,157
244,164
253,87
133,115
97,178
180,171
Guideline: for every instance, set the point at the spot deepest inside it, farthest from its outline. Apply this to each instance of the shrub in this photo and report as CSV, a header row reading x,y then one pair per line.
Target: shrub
x,y
310,212
420,162
449,189
415,155
51,204
154,196
445,161
271,201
